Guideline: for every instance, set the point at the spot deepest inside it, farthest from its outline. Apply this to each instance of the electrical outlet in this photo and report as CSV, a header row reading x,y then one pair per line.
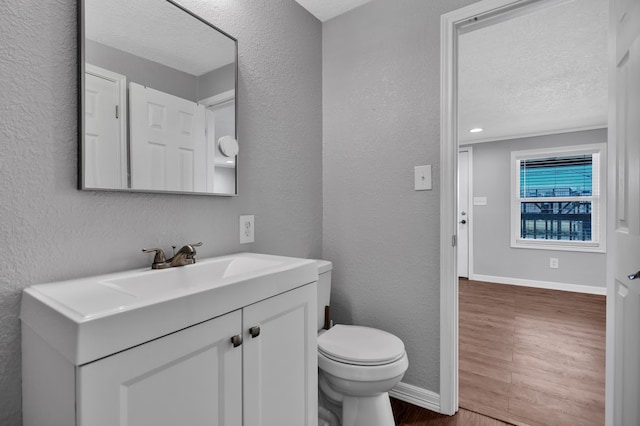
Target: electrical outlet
x,y
554,263
247,229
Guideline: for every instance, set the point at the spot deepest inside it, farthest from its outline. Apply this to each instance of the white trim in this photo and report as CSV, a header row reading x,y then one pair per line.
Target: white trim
x,y
121,83
448,210
549,285
219,98
450,24
417,396
612,255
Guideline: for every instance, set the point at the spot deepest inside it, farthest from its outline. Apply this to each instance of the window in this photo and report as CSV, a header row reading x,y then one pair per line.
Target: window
x,y
557,199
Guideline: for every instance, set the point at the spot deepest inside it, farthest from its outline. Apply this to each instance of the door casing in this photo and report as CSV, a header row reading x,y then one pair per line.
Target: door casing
x,y
482,13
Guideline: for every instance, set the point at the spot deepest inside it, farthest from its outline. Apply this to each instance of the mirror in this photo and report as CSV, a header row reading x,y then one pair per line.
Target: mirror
x,y
157,100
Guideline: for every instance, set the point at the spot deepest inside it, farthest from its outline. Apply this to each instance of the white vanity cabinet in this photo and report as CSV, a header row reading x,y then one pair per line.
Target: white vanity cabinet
x,y
197,374
192,377
280,366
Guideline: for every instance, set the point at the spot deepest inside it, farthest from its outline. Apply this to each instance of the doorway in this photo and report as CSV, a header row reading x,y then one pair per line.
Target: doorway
x,y
482,15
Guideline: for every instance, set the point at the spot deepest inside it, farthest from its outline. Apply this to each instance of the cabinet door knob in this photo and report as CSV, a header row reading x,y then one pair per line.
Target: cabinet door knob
x,y
254,331
236,340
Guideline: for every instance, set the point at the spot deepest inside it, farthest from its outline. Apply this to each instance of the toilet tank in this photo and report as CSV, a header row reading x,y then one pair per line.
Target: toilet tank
x,y
324,288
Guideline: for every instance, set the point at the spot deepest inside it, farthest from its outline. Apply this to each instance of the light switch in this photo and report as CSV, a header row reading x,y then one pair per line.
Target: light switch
x,y
479,201
422,178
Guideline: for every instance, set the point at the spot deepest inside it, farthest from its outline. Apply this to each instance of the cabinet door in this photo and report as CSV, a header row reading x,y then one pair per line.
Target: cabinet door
x,y
281,364
192,377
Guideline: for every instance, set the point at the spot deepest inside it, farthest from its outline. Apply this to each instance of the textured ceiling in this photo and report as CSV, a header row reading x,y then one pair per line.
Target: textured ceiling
x,y
160,32
327,9
544,72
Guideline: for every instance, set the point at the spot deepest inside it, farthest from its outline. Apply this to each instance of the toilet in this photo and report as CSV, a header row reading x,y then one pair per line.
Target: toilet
x,y
357,368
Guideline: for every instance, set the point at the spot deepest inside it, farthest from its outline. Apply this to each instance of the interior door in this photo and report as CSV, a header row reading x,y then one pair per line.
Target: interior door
x,y
167,141
464,185
626,237
104,153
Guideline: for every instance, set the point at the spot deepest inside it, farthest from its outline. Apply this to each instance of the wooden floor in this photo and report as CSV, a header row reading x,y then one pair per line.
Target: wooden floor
x,y
531,356
409,415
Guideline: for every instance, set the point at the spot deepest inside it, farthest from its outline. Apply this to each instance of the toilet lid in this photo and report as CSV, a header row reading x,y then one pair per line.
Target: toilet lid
x,y
358,345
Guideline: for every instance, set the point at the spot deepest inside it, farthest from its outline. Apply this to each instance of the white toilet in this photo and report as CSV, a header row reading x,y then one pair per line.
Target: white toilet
x,y
358,366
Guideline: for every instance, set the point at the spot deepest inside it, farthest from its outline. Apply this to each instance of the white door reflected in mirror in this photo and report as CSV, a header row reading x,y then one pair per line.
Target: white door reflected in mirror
x,y
165,94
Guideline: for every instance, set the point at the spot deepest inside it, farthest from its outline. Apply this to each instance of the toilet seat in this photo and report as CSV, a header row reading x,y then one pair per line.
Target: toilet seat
x,y
363,373
362,346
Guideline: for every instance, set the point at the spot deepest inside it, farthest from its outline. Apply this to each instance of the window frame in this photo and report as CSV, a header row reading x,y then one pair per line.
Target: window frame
x,y
597,199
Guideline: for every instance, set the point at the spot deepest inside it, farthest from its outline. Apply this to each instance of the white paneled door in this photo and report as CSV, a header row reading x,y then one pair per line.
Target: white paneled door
x,y
626,235
167,141
104,133
464,191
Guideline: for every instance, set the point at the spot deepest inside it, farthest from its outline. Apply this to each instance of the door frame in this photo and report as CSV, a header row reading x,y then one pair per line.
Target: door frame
x,y
218,99
215,101
482,13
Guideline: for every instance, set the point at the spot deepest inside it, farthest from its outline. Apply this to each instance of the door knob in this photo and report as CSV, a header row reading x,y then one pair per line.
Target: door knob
x,y
634,276
254,331
236,340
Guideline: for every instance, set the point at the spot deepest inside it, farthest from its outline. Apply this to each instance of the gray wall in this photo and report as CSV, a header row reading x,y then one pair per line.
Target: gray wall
x,y
158,76
51,231
143,71
216,81
381,103
492,251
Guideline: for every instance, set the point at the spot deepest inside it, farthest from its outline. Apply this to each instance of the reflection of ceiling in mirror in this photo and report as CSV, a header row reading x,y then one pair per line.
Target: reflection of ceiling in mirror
x,y
157,30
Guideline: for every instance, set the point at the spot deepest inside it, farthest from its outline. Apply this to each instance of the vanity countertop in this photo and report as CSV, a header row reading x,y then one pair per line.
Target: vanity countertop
x,y
89,318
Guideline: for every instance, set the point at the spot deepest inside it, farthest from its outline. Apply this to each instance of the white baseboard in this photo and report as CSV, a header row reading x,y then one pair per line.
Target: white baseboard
x,y
416,396
541,284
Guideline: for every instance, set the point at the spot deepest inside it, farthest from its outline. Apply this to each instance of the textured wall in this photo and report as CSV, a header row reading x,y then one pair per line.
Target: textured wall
x,y
381,103
50,231
492,223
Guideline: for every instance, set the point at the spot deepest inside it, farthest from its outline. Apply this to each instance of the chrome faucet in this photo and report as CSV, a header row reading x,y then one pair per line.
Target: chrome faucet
x,y
184,256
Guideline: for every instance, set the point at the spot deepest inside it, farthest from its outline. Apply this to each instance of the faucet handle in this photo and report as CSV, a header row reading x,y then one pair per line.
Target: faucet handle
x,y
192,251
193,246
159,258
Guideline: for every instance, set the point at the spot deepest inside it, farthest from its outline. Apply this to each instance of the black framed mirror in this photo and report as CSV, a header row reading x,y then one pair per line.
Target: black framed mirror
x,y
157,108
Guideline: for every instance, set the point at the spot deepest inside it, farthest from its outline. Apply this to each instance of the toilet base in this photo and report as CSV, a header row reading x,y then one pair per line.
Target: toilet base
x,y
367,411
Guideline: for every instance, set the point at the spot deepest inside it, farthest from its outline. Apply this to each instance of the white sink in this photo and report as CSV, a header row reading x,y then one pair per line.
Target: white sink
x,y
209,273
89,318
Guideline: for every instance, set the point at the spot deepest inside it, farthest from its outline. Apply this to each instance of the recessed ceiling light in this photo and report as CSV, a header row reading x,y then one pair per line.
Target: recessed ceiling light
x,y
476,130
